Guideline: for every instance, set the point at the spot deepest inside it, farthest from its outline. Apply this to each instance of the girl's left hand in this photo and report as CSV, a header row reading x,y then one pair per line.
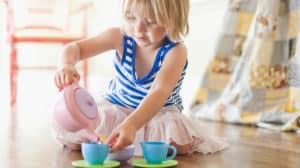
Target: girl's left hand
x,y
122,136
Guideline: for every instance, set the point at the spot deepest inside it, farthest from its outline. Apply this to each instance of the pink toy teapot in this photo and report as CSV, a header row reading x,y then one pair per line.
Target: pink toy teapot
x,y
76,110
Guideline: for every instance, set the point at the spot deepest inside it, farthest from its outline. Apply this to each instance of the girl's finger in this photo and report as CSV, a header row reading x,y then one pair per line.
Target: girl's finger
x,y
69,79
77,76
112,139
58,82
119,144
62,78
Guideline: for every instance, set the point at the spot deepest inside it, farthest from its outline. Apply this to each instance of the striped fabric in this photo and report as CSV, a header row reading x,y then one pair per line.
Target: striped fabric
x,y
126,89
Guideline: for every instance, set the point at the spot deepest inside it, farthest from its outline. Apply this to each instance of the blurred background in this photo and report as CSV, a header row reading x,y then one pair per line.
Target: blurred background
x,y
35,87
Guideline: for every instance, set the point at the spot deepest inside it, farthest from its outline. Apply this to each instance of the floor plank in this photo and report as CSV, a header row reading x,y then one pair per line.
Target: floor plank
x,y
26,139
31,144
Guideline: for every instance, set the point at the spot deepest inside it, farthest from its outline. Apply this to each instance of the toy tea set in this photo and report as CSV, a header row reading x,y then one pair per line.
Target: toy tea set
x,y
77,111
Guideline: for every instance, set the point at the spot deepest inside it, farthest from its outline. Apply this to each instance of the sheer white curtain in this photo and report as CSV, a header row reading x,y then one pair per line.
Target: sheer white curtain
x,y
4,84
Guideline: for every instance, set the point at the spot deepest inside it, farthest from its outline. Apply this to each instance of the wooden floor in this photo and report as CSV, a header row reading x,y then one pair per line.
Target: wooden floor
x,y
27,141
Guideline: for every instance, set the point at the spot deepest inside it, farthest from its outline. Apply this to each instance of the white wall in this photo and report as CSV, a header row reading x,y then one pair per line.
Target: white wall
x,y
205,21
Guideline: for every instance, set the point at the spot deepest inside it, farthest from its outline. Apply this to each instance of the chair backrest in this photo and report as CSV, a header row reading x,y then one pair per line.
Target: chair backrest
x,y
49,14
55,15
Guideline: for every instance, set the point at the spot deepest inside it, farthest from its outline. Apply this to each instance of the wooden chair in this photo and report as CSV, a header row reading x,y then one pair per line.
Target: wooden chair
x,y
46,21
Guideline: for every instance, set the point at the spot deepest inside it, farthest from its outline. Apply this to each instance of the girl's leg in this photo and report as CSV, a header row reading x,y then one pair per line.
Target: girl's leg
x,y
182,149
71,140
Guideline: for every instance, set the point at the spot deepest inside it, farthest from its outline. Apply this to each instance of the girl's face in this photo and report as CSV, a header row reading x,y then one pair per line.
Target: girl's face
x,y
144,28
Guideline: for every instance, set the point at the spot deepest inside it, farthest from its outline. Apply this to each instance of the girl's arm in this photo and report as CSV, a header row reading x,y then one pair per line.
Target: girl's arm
x,y
161,89
79,50
73,52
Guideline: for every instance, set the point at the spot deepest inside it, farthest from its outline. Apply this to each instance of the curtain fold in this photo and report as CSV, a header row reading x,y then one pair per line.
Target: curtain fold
x,y
254,76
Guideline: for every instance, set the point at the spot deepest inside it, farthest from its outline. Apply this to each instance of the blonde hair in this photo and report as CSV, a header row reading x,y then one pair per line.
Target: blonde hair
x,y
172,14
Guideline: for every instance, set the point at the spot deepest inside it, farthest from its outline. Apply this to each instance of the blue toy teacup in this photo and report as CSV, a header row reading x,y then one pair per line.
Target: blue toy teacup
x,y
155,152
94,153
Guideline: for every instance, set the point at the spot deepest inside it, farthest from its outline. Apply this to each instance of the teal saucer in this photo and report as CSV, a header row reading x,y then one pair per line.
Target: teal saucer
x,y
143,163
106,164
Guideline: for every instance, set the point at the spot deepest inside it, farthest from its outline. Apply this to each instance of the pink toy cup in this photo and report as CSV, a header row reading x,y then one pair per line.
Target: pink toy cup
x,y
76,110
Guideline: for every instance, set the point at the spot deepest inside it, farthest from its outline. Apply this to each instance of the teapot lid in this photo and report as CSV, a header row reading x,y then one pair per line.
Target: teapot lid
x,y
81,104
85,103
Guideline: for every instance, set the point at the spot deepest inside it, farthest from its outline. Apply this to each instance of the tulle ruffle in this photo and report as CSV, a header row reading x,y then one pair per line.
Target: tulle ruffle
x,y
169,125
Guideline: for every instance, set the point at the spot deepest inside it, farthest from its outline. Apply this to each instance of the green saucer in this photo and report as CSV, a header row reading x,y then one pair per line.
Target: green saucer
x,y
107,164
143,163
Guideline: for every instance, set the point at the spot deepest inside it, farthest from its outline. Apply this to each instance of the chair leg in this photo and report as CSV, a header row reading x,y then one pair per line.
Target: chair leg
x,y
13,75
85,73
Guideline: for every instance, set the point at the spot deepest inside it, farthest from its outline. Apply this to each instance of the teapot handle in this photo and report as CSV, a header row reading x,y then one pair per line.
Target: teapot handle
x,y
75,83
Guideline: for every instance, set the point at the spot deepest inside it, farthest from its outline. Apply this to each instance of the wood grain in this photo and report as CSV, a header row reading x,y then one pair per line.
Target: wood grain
x,y
27,141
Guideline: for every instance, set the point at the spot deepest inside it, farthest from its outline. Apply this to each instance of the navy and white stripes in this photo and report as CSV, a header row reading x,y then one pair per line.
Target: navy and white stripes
x,y
126,89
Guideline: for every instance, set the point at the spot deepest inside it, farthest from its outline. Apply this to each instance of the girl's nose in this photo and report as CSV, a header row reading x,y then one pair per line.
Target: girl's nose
x,y
140,27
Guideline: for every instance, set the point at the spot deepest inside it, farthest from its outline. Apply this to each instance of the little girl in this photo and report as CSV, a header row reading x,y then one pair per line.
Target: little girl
x,y
142,102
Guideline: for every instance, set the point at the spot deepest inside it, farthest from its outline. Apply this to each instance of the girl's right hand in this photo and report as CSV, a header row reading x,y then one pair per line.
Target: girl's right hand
x,y
66,76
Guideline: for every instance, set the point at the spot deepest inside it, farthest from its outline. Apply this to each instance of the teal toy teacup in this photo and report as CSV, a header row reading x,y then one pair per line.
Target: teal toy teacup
x,y
155,152
94,153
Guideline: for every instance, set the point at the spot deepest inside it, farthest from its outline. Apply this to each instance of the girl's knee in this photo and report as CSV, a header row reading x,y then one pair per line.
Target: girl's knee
x,y
182,149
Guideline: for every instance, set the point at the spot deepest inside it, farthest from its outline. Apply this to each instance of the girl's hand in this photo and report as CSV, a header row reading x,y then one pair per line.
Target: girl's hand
x,y
121,137
65,76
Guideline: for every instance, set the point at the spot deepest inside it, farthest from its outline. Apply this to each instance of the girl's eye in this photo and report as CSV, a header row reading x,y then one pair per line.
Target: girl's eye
x,y
150,22
130,17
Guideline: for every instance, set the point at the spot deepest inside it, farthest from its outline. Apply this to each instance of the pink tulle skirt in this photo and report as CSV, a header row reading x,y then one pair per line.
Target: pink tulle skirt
x,y
168,125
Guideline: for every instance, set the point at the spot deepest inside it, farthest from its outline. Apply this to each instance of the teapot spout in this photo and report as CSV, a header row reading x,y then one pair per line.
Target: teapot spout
x,y
88,134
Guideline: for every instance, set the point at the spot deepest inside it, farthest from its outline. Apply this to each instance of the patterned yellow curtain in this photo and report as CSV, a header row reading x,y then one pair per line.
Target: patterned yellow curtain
x,y
262,85
229,47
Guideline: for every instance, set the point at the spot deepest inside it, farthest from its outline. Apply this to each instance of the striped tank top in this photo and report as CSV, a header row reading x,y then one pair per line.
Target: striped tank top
x,y
126,89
